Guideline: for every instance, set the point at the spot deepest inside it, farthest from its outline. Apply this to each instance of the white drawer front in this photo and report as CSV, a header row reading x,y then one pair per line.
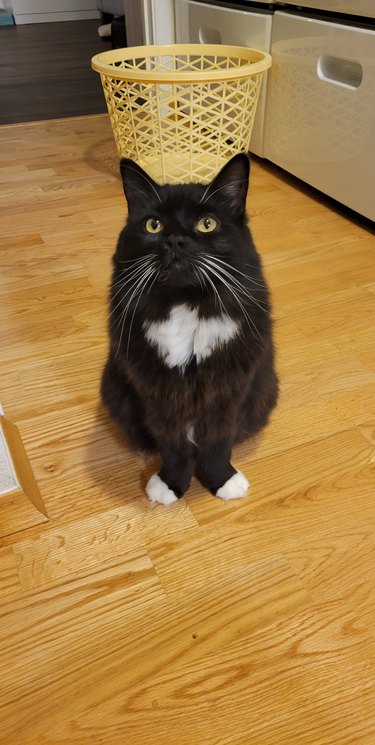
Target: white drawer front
x,y
320,122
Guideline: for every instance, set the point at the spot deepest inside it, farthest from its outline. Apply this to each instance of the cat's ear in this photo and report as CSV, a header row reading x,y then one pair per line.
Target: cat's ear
x,y
229,187
139,188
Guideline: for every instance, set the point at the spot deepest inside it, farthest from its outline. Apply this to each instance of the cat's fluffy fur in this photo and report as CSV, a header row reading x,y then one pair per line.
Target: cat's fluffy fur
x,y
190,370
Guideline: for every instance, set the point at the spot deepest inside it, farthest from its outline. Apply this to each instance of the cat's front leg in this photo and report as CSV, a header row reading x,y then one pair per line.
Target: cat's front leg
x,y
175,475
216,473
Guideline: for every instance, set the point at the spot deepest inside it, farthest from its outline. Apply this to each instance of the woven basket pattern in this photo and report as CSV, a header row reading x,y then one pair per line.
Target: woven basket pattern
x,y
182,130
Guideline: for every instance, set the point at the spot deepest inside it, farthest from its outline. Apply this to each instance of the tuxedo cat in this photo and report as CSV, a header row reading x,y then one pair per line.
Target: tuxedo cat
x,y
190,370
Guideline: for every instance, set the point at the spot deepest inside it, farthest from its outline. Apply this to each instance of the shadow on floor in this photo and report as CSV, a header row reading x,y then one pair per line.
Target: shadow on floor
x,y
127,473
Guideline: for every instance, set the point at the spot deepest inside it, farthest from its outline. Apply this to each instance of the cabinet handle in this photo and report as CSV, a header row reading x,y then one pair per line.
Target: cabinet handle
x,y
209,36
344,72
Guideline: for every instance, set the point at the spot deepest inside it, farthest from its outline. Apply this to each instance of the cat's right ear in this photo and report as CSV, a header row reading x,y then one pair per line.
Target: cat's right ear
x,y
139,188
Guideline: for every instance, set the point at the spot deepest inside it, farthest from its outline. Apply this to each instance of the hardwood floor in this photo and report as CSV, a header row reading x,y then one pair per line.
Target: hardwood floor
x,y
203,623
45,71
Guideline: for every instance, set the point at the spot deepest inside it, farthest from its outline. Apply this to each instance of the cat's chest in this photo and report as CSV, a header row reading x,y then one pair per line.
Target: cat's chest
x,y
184,336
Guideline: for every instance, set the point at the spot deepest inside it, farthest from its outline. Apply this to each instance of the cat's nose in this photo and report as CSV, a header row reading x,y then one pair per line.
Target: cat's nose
x,y
174,251
176,242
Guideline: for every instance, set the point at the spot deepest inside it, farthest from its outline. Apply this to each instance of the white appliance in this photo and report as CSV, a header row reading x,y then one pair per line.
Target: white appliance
x,y
45,11
360,8
320,120
316,115
210,24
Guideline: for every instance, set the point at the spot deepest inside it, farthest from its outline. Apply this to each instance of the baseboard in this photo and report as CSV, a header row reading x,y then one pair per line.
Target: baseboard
x,y
21,503
67,15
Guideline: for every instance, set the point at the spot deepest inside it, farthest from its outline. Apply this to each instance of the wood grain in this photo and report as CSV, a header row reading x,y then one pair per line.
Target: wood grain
x,y
204,619
204,623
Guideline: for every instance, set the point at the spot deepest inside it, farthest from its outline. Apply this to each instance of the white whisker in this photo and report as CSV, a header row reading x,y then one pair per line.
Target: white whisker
x,y
154,280
136,274
239,287
137,261
154,271
136,281
125,311
131,271
240,304
119,281
199,278
223,308
255,281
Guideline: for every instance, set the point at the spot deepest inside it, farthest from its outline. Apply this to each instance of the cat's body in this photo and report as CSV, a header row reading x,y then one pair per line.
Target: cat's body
x,y
190,369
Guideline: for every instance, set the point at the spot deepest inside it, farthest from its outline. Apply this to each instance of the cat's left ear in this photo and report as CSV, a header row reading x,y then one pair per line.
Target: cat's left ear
x,y
229,187
139,188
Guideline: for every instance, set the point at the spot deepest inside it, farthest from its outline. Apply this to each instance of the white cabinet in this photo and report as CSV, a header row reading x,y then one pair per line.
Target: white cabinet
x,y
41,11
210,24
360,8
320,120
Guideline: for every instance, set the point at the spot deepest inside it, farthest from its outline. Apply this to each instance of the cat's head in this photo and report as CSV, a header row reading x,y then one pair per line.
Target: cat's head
x,y
179,228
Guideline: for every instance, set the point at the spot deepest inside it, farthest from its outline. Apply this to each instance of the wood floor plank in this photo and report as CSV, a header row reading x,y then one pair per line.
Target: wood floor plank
x,y
205,622
205,619
9,578
17,514
94,542
229,692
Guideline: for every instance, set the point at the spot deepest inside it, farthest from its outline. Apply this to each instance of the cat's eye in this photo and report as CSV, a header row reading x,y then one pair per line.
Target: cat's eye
x,y
153,225
206,224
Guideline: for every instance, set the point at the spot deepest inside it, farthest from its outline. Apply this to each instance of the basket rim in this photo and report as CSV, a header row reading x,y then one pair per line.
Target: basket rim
x,y
258,62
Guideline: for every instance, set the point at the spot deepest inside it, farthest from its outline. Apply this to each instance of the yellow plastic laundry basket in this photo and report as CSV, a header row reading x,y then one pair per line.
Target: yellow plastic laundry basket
x,y
181,110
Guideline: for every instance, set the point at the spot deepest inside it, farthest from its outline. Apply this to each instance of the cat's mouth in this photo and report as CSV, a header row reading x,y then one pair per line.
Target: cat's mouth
x,y
178,274
179,265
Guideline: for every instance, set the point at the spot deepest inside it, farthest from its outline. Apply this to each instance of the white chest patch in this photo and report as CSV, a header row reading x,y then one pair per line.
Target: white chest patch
x,y
184,335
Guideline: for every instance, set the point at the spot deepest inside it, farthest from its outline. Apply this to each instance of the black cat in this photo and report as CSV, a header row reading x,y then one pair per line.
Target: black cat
x,y
191,363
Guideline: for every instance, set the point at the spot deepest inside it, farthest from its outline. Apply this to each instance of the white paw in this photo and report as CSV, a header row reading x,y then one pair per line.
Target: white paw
x,y
235,488
158,491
